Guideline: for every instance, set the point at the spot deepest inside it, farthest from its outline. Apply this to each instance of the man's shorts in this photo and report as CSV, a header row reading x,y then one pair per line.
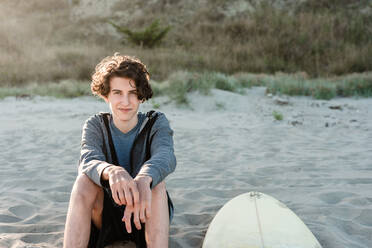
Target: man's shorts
x,y
113,228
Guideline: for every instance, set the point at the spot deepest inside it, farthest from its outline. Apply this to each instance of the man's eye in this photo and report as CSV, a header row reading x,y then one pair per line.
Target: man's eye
x,y
116,93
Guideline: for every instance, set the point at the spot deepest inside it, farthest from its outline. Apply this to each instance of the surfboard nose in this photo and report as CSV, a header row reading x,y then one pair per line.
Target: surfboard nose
x,y
257,220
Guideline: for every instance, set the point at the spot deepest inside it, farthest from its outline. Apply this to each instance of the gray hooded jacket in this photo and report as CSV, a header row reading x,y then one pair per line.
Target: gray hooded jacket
x,y
95,153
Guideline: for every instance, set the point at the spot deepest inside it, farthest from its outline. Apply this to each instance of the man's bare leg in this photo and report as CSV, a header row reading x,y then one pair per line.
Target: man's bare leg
x,y
86,198
157,227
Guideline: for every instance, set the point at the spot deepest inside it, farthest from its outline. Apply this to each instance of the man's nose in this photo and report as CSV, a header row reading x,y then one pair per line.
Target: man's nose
x,y
125,99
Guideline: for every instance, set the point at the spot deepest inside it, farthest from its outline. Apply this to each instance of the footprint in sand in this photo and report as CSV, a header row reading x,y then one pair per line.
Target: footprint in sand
x,y
198,219
194,195
22,211
361,201
365,217
37,238
334,197
8,219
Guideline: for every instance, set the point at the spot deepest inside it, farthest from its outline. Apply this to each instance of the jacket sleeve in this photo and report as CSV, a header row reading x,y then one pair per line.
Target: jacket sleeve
x,y
92,158
162,161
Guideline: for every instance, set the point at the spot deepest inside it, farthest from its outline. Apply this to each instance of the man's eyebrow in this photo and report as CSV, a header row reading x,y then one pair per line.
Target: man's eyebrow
x,y
115,90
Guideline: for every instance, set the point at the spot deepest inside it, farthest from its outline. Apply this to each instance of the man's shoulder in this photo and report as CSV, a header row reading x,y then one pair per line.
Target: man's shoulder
x,y
152,114
161,121
96,119
98,116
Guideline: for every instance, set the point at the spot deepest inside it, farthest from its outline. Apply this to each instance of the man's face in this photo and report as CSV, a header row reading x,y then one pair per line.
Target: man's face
x,y
123,99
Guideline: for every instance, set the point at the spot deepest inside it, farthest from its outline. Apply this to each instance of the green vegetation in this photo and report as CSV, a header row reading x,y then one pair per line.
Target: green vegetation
x,y
323,38
351,85
220,105
317,48
278,116
155,104
181,83
355,85
64,89
150,37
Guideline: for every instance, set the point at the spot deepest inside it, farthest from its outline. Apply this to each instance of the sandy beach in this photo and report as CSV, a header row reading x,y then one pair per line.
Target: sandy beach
x,y
317,160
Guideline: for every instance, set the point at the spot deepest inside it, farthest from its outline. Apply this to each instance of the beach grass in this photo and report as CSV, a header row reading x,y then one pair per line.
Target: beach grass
x,y
277,115
220,106
179,84
63,89
353,85
313,38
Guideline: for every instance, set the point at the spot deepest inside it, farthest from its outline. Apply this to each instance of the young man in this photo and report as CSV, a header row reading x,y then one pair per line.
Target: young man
x,y
120,192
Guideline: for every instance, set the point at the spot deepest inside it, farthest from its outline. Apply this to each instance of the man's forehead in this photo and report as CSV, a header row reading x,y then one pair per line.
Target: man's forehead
x,y
119,82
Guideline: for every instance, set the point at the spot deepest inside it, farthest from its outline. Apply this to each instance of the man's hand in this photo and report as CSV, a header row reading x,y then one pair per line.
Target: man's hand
x,y
134,193
123,187
143,185
142,210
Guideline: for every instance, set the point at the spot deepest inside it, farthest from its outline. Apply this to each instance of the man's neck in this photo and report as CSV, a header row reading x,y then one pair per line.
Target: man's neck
x,y
126,126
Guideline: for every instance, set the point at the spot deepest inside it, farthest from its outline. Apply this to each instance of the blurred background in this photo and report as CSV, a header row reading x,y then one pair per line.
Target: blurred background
x,y
52,40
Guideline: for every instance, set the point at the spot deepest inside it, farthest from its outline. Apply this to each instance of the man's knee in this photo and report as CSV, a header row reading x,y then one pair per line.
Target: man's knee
x,y
159,188
84,190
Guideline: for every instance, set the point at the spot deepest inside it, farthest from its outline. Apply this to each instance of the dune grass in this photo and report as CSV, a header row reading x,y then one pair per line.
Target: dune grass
x,y
181,83
357,85
63,89
320,37
277,115
329,42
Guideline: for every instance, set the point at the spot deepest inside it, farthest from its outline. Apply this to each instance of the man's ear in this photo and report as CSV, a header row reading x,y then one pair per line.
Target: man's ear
x,y
105,98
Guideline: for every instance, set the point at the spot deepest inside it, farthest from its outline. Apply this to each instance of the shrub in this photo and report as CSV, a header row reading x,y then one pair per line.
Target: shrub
x,y
247,80
325,92
180,83
148,37
223,82
277,116
355,85
63,89
320,37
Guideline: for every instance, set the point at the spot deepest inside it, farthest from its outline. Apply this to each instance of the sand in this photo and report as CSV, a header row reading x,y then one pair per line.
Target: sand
x,y
317,160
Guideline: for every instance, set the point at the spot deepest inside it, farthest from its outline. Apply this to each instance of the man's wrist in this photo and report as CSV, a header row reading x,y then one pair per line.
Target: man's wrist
x,y
146,178
106,172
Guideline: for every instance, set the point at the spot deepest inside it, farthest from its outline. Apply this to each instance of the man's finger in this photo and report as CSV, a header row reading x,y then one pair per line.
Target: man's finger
x,y
142,214
124,201
126,218
148,209
121,197
135,196
128,197
136,220
115,196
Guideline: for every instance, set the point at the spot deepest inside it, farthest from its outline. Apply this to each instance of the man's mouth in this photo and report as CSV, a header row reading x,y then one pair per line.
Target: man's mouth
x,y
125,109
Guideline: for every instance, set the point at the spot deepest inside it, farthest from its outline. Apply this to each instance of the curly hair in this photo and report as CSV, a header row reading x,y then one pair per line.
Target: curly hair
x,y
121,66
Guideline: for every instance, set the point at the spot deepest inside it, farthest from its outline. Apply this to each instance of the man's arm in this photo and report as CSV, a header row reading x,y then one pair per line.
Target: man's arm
x,y
122,185
163,160
92,157
161,163
93,164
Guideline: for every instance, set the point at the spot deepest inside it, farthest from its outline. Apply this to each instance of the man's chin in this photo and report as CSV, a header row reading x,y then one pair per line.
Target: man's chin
x,y
126,117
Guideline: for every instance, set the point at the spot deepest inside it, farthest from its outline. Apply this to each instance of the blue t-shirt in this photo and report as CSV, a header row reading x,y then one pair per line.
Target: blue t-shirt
x,y
123,142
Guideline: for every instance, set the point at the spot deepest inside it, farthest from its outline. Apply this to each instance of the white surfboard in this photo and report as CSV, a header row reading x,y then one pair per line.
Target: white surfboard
x,y
256,220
